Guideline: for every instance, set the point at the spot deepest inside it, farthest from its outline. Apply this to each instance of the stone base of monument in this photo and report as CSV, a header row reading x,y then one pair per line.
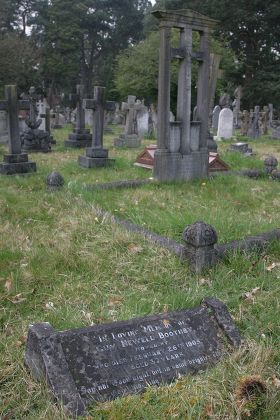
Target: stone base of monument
x,y
129,140
17,164
211,144
53,141
177,167
95,158
35,140
79,138
242,148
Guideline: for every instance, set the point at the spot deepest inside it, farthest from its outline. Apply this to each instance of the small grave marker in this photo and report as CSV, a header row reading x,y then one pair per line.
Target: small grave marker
x,y
112,360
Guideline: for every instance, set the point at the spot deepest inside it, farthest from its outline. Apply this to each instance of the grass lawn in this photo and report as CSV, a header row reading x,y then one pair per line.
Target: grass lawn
x,y
62,264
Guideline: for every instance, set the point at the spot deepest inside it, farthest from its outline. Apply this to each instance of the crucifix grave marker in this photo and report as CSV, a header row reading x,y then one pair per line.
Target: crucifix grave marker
x,y
96,155
15,162
130,138
81,136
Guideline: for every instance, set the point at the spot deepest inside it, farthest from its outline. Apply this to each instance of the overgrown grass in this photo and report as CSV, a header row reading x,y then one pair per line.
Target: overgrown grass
x,y
61,263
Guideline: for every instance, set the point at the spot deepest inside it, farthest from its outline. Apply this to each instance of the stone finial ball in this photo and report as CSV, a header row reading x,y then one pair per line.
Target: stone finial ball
x,y
55,180
270,163
200,234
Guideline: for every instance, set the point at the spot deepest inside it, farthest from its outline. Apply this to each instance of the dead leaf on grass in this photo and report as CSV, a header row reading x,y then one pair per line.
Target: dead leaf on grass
x,y
21,341
18,299
272,266
115,301
205,282
249,296
134,249
9,284
276,382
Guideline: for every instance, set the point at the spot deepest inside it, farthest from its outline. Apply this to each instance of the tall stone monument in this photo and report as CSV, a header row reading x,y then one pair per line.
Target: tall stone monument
x,y
96,155
15,162
182,152
81,136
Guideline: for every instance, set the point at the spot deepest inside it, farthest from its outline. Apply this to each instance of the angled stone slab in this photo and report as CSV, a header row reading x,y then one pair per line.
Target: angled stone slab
x,y
108,361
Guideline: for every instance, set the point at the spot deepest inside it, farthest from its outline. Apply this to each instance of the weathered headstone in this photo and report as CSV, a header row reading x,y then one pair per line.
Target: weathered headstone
x,y
3,127
15,162
58,118
263,121
254,131
143,122
108,361
34,139
130,138
270,107
96,155
245,123
191,160
215,118
236,107
81,136
276,130
225,125
225,100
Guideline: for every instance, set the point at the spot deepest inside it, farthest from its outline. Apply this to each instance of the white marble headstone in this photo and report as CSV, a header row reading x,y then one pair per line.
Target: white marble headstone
x,y
143,122
225,126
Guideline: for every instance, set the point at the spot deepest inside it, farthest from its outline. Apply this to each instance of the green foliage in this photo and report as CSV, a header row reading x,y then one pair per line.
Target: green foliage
x,y
18,61
137,67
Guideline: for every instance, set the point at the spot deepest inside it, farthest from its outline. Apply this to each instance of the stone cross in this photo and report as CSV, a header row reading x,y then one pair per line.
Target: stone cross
x,y
12,106
15,161
131,107
81,136
96,155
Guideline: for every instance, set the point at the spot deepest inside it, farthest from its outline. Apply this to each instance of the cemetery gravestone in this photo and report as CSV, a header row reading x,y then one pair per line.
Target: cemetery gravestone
x,y
189,160
245,123
96,155
81,136
215,118
263,121
130,138
3,127
270,118
33,139
143,122
103,362
15,162
254,131
225,125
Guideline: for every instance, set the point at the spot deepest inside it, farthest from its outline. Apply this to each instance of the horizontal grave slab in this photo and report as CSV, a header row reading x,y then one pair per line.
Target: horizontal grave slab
x,y
107,361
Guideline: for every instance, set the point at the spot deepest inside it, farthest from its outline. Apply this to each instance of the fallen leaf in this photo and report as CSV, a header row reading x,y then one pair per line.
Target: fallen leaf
x,y
249,296
18,299
9,284
205,282
272,266
21,341
276,382
166,308
115,301
50,306
166,323
134,249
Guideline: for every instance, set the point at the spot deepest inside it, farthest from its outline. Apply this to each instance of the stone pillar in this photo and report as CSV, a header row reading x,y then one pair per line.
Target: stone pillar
x,y
202,88
200,241
164,87
185,90
13,127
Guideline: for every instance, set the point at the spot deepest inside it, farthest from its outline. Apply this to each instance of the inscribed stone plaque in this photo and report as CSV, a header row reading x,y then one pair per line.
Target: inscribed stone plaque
x,y
107,361
225,126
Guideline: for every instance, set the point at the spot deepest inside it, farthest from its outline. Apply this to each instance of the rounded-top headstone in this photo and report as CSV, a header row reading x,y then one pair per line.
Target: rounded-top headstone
x,y
200,234
55,180
225,125
270,163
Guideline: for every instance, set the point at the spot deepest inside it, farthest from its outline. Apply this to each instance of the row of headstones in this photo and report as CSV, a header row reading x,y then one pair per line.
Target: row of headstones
x,y
252,124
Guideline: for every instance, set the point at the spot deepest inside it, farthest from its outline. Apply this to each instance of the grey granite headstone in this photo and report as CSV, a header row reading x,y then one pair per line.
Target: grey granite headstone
x,y
215,118
225,126
103,362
